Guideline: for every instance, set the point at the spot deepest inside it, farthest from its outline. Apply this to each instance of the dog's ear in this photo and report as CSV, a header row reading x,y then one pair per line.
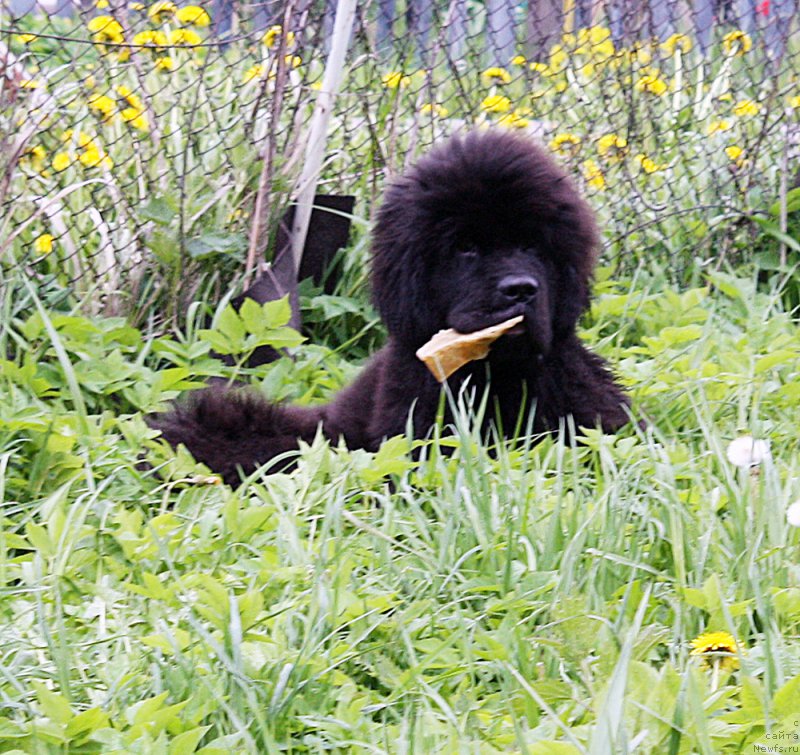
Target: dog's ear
x,y
401,273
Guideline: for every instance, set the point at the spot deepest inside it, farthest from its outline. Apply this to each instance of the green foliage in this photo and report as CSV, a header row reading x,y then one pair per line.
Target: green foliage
x,y
523,598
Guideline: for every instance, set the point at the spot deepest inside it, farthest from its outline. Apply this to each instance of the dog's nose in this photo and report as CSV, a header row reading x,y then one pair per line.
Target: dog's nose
x,y
518,288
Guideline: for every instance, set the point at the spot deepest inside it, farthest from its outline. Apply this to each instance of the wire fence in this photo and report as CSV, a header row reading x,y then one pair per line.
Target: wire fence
x,y
146,148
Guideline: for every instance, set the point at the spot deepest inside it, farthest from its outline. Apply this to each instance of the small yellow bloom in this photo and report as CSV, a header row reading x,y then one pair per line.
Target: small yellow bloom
x,y
126,98
737,43
438,111
134,117
107,26
746,108
95,157
593,175
293,61
273,35
103,105
647,164
34,156
26,39
30,83
735,154
165,64
566,144
518,60
540,68
716,127
794,102
162,11
719,649
612,146
44,243
137,6
513,120
396,80
81,138
100,4
61,161
652,85
496,103
193,15
496,75
675,42
559,59
154,40
254,72
184,37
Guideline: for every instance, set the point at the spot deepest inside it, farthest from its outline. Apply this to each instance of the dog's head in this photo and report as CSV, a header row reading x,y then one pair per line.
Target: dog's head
x,y
483,228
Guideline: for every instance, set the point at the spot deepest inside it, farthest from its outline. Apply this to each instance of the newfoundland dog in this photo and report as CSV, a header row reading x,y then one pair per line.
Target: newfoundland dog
x,y
485,227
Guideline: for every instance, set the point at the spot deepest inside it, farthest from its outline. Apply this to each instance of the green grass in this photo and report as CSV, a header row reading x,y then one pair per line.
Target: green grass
x,y
517,599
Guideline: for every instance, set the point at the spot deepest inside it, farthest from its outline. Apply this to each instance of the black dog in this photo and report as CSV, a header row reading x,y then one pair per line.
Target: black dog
x,y
485,227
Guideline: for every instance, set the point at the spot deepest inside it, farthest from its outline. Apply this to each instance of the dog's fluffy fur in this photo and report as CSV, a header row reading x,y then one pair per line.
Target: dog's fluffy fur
x,y
483,228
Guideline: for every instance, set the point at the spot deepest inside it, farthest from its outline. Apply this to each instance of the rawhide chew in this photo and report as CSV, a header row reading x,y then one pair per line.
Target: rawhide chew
x,y
448,349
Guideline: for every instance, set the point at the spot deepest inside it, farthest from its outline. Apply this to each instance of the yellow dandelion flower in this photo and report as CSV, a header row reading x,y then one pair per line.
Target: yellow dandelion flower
x,y
193,15
593,35
94,157
720,649
26,39
636,55
612,146
34,157
107,27
794,102
746,108
126,98
652,85
566,144
184,37
293,61
30,83
134,117
559,59
137,6
588,70
395,80
675,42
103,105
513,120
496,103
437,111
254,72
272,37
518,60
737,43
80,138
154,40
717,127
648,165
540,68
593,175
61,161
496,75
162,11
165,64
101,4
735,154
44,243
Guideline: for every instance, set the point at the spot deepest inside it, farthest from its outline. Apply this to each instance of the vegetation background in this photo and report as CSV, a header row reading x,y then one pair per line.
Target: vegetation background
x,y
638,593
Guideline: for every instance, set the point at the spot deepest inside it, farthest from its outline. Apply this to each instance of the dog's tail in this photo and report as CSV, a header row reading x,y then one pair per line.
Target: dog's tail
x,y
235,431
